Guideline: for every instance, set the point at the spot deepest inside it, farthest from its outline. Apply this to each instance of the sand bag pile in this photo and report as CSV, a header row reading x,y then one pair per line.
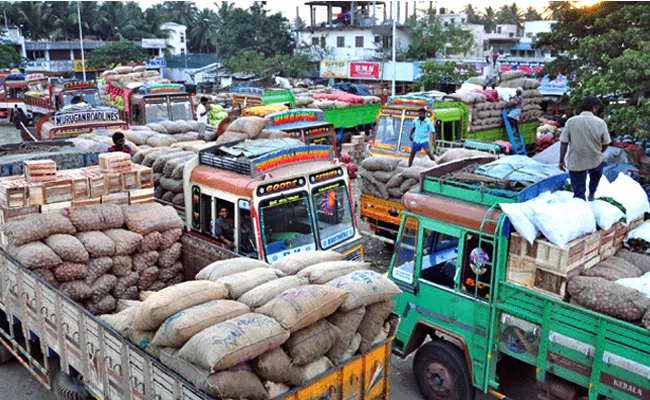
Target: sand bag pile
x,y
322,97
389,178
245,128
98,254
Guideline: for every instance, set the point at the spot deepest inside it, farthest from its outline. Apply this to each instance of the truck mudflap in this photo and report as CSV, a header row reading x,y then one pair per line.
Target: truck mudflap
x,y
38,323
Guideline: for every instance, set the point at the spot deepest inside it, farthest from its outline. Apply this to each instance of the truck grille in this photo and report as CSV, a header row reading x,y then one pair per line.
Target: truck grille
x,y
354,255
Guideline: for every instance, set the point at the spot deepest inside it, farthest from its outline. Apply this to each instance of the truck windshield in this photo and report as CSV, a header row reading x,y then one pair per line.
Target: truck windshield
x,y
333,213
89,97
406,134
156,112
182,111
286,226
388,130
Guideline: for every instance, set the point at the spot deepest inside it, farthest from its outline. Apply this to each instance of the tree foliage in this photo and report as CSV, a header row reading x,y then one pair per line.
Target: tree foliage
x,y
428,39
9,57
434,73
120,52
608,47
258,63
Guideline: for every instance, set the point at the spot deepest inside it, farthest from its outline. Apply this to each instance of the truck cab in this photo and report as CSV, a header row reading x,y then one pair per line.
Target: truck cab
x,y
152,103
284,197
244,96
55,97
306,125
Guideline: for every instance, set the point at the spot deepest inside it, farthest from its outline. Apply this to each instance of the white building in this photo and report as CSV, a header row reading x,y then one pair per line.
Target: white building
x,y
354,43
532,30
451,19
176,40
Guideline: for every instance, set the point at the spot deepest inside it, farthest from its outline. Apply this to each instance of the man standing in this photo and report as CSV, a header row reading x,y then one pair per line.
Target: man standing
x,y
202,110
588,136
420,135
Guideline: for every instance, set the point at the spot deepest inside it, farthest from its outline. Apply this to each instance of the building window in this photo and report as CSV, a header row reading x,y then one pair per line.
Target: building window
x,y
498,29
358,41
340,41
323,42
314,41
182,38
446,24
182,51
453,21
377,38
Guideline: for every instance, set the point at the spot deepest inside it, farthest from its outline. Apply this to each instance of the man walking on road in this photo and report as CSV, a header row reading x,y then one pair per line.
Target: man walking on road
x,y
588,138
422,129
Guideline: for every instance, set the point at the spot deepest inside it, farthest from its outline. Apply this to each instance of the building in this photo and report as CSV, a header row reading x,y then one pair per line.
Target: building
x,y
451,19
176,41
532,30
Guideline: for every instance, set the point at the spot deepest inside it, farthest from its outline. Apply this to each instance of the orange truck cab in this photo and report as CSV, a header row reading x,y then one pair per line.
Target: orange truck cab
x,y
59,95
283,196
306,125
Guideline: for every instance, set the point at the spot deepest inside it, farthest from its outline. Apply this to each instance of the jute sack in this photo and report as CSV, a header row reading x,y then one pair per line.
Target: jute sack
x,y
121,321
641,261
311,343
373,323
159,219
348,323
170,237
97,244
96,218
296,262
68,247
35,255
219,269
275,366
312,370
235,341
68,271
163,304
238,382
364,288
151,242
98,267
612,269
143,339
180,327
126,242
36,227
300,307
608,297
324,272
275,389
262,294
123,304
240,283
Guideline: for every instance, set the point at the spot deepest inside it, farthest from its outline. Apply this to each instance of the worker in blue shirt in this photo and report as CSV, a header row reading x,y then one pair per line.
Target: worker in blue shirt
x,y
422,129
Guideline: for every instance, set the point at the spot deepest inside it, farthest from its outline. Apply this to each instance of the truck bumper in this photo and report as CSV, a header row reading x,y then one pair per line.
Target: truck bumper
x,y
352,251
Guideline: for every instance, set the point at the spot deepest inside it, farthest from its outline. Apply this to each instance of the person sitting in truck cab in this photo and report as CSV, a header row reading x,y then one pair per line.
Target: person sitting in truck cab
x,y
223,228
422,129
119,144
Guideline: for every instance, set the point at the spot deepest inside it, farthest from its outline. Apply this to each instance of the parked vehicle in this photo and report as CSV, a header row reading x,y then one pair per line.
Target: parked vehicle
x,y
246,96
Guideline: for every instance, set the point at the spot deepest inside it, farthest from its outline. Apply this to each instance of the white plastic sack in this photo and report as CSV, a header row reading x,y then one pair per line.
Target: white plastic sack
x,y
520,221
603,189
606,214
563,221
631,195
506,94
641,232
468,87
642,284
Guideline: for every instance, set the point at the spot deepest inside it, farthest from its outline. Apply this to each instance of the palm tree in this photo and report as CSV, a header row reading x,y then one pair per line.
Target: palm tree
x,y
489,20
472,15
510,15
182,12
555,9
532,14
204,34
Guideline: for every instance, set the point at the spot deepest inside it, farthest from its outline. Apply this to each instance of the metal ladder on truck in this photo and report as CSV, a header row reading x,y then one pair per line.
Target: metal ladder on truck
x,y
517,140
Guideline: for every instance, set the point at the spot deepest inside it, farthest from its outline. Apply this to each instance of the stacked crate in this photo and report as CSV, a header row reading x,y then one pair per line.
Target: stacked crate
x,y
356,148
42,189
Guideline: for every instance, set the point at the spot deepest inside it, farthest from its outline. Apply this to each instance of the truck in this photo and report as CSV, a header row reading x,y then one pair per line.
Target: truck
x,y
452,263
152,102
245,96
57,96
77,356
286,197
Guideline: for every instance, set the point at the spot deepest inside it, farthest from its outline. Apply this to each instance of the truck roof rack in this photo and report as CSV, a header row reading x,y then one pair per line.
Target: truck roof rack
x,y
433,182
247,90
410,101
295,118
257,157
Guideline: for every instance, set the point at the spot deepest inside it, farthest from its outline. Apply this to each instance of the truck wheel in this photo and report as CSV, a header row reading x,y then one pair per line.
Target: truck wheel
x,y
441,372
66,389
5,355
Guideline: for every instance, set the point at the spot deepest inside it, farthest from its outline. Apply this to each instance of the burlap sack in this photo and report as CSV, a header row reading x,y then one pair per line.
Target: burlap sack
x,y
121,321
240,283
36,227
220,269
264,293
311,343
275,366
123,304
380,163
98,267
310,371
147,278
104,305
96,218
143,339
169,301
167,274
97,244
47,275
126,242
68,271
608,297
160,219
296,262
158,285
460,154
122,266
76,290
324,272
238,382
123,285
348,323
151,242
373,323
142,261
275,389
159,164
612,269
167,257
68,247
180,327
364,288
641,261
101,288
35,255
302,306
235,341
170,237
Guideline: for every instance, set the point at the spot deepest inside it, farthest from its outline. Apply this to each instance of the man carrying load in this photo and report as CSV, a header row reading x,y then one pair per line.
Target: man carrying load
x,y
420,135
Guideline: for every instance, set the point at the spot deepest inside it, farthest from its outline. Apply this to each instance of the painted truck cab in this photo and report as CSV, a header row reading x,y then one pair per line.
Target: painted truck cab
x,y
245,96
285,197
152,103
306,125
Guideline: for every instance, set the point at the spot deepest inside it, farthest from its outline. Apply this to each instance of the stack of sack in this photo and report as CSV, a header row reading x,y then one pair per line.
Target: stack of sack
x,y
246,329
219,98
98,254
325,98
120,77
249,128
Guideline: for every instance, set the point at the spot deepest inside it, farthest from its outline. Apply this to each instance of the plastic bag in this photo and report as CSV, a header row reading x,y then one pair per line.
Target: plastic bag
x,y
605,213
520,221
631,195
562,221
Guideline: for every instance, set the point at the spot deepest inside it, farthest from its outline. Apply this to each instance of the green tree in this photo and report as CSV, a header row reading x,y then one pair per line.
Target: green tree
x,y
435,74
489,20
532,15
428,39
204,36
608,48
120,52
473,16
9,57
555,8
511,14
255,62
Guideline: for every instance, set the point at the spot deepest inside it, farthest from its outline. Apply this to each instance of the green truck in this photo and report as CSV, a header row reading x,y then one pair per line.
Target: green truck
x,y
245,96
451,261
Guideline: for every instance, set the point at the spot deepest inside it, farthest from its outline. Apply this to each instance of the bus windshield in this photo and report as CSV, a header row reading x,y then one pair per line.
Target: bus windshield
x,y
182,111
333,214
156,112
286,226
388,129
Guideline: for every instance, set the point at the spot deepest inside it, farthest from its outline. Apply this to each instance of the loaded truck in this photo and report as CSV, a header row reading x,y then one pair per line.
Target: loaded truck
x,y
246,96
452,263
57,96
285,196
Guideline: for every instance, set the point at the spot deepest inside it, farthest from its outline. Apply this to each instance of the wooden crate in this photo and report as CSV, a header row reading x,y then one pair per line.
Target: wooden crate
x,y
592,246
520,247
13,193
58,191
145,177
607,239
96,186
115,162
13,214
554,283
91,201
610,252
621,232
561,260
80,187
113,183
130,180
520,270
45,208
635,223
39,170
36,194
116,198
137,196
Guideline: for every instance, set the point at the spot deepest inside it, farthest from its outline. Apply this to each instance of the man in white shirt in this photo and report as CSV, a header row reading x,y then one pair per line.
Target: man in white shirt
x,y
202,110
282,82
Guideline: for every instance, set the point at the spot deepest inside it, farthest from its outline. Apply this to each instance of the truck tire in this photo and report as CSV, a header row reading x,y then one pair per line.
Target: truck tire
x,y
66,389
441,372
5,355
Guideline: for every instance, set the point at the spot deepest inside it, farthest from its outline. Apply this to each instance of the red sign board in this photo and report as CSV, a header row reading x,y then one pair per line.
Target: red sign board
x,y
364,70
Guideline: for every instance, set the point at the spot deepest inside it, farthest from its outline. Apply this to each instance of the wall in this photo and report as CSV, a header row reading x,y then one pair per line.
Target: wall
x,y
350,51
177,39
